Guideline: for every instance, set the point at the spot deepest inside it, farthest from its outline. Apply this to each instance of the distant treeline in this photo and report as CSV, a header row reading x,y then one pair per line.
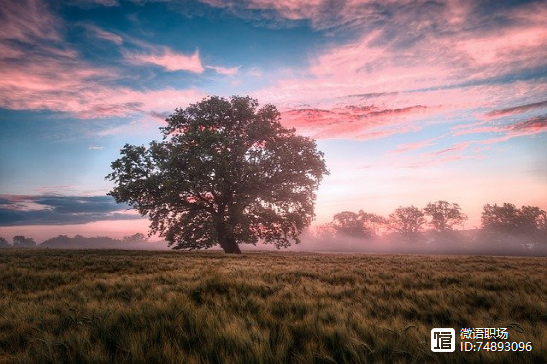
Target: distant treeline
x,y
136,241
440,216
439,226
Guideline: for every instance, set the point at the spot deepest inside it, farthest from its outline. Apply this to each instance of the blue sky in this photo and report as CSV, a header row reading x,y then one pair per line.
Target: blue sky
x,y
411,101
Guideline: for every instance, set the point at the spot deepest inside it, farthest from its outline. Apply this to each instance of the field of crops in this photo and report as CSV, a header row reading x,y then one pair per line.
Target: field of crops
x,y
136,306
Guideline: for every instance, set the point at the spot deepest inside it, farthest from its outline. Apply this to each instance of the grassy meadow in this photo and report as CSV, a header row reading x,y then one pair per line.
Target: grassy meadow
x,y
262,307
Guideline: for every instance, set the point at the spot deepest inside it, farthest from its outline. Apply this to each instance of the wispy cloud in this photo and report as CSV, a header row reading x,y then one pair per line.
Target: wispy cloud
x,y
408,147
27,21
531,126
528,127
354,121
168,59
516,109
103,34
225,71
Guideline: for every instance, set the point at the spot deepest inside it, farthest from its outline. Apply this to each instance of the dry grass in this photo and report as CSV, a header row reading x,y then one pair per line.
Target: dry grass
x,y
129,306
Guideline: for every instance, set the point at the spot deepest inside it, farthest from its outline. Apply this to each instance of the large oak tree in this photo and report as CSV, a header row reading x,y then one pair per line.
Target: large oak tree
x,y
227,172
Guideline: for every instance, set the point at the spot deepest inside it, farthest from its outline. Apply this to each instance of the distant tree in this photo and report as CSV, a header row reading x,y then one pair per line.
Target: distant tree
x,y
135,238
510,219
407,220
82,242
226,173
4,243
323,231
372,222
19,241
59,242
444,215
349,223
362,224
532,218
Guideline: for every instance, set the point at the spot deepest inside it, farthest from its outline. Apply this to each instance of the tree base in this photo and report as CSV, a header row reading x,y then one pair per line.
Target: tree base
x,y
233,251
230,247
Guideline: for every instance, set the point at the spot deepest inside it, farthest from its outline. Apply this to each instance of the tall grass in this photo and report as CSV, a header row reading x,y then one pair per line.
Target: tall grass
x,y
127,306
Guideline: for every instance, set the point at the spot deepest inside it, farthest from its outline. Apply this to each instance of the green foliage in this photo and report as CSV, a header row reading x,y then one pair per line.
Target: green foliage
x,y
226,173
407,220
349,223
135,238
19,241
444,215
359,225
4,243
82,242
201,307
509,218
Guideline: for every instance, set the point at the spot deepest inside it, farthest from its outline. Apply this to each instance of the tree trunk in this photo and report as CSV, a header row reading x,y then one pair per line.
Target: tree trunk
x,y
229,245
226,239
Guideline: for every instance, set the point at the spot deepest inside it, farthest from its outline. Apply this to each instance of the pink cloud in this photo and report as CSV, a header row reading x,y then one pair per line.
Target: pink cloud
x,y
27,21
408,147
103,34
535,124
255,72
360,122
168,59
68,85
440,157
516,109
531,126
456,148
480,129
322,14
45,74
528,127
224,70
439,61
94,3
429,162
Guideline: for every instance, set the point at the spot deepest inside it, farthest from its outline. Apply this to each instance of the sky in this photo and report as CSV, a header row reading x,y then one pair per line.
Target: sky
x,y
411,101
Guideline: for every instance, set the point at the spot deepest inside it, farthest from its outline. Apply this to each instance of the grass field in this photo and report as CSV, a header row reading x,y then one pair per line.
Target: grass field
x,y
137,306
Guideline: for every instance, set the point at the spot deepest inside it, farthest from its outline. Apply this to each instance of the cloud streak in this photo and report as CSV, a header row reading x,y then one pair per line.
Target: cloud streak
x,y
516,109
355,121
408,147
225,71
18,210
168,59
103,34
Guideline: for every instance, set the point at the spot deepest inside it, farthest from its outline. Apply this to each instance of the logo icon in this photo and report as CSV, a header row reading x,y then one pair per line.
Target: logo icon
x,y
443,340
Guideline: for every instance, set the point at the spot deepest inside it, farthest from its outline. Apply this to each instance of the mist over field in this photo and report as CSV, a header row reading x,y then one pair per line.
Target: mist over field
x,y
463,242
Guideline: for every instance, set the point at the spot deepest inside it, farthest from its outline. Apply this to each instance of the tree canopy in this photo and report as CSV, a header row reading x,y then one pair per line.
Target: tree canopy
x,y
4,243
362,224
407,220
227,172
349,223
444,215
19,241
509,218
